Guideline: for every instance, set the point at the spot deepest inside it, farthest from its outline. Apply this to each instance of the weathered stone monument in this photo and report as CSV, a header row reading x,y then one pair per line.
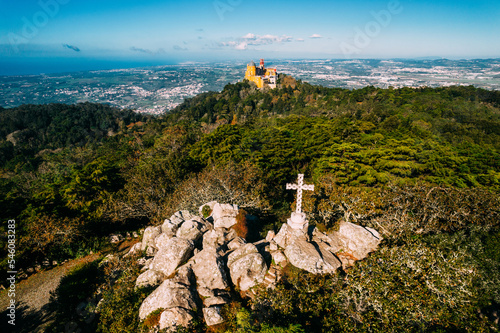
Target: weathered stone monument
x,y
298,219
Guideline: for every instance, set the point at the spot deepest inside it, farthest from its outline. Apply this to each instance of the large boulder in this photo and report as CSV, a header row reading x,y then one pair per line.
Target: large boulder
x,y
279,258
175,252
209,270
184,276
190,230
224,215
148,239
174,318
161,241
282,238
215,300
180,216
247,267
148,278
205,224
170,228
236,243
305,255
353,242
212,315
213,239
167,296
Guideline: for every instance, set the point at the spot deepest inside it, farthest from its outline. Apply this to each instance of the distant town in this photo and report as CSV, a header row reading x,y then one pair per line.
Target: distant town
x,y
156,90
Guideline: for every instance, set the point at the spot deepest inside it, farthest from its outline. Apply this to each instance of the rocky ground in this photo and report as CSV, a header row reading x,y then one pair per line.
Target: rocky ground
x,y
199,263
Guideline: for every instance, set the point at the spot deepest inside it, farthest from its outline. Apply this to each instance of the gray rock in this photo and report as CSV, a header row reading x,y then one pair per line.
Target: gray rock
x,y
144,262
212,315
176,220
181,216
162,241
149,236
270,235
224,215
283,236
151,251
247,267
209,270
170,228
190,230
279,258
205,292
230,235
175,252
167,296
241,252
205,225
173,318
134,250
215,300
236,243
184,276
304,255
353,242
213,239
116,238
148,278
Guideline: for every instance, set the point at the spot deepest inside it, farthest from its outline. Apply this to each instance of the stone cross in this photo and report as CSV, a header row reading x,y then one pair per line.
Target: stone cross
x,y
299,187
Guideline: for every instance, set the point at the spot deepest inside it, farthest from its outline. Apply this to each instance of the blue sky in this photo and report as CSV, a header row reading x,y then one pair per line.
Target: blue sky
x,y
156,32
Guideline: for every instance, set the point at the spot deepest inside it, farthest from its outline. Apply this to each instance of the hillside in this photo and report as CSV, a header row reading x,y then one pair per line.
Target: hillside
x,y
422,166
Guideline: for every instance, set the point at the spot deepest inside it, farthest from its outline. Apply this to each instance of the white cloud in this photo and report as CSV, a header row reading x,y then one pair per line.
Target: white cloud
x,y
241,46
315,36
249,39
299,39
248,36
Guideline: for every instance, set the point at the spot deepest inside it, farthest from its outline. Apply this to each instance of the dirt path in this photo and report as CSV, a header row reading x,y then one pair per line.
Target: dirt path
x,y
33,296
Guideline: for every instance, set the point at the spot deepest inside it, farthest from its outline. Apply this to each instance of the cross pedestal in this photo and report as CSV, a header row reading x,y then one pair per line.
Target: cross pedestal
x,y
298,219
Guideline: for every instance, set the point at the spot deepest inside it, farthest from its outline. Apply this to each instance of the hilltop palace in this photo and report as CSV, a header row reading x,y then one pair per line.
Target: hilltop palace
x,y
261,76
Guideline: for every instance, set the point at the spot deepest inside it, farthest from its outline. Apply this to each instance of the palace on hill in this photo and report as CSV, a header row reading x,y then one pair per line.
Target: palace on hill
x,y
261,76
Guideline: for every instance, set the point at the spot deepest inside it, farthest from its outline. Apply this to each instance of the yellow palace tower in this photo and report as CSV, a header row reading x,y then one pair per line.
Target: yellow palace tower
x,y
261,76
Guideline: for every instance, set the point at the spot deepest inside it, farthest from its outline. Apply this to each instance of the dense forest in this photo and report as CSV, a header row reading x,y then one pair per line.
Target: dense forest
x,y
422,166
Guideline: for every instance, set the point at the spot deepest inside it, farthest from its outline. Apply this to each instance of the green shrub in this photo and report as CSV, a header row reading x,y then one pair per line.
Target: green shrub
x,y
121,300
206,211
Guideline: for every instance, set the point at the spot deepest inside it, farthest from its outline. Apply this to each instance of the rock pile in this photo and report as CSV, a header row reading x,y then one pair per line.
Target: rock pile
x,y
193,262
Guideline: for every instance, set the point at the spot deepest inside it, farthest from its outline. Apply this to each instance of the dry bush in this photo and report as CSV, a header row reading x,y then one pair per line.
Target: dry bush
x,y
153,319
331,203
426,209
396,211
45,233
232,184
241,226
